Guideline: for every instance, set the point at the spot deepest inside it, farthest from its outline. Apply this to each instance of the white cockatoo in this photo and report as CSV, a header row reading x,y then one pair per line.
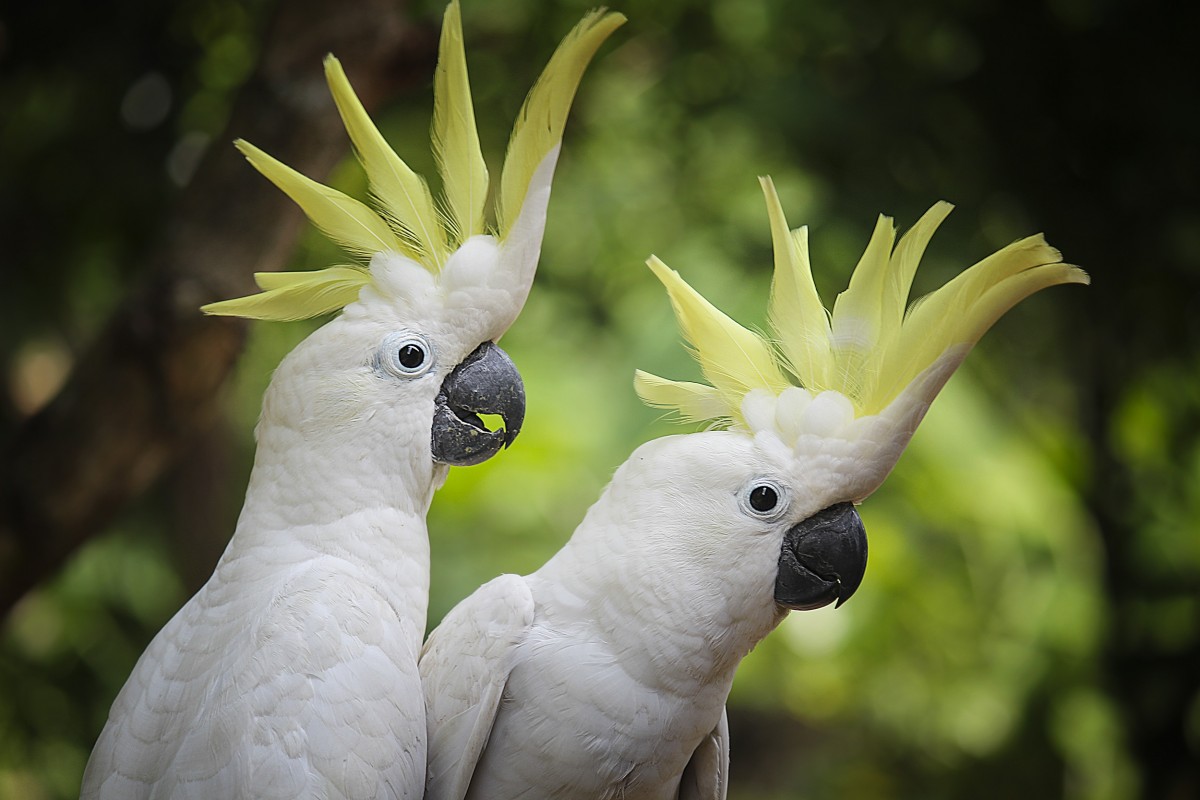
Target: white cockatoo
x,y
293,672
604,674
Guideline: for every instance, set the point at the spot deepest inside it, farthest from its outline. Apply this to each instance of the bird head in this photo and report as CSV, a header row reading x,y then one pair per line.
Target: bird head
x,y
819,414
440,285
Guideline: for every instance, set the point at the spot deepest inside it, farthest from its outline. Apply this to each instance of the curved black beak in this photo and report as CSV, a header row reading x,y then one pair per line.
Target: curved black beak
x,y
823,559
486,382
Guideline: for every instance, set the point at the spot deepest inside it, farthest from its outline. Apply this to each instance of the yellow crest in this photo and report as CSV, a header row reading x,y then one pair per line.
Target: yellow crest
x,y
406,219
869,349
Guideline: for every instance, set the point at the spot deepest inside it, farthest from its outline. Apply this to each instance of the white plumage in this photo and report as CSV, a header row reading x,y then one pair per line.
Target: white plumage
x,y
293,672
603,675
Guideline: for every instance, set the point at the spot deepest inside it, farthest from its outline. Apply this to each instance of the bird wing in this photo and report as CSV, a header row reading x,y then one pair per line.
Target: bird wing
x,y
464,668
312,693
163,697
706,777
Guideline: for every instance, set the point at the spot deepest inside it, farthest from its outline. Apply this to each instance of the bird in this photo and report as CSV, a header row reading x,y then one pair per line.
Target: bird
x,y
604,674
293,671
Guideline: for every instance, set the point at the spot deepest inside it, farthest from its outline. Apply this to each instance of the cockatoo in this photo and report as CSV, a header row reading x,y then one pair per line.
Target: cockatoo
x,y
604,674
293,672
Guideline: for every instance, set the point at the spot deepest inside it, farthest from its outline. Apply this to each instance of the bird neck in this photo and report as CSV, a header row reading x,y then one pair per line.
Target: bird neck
x,y
348,499
684,634
305,477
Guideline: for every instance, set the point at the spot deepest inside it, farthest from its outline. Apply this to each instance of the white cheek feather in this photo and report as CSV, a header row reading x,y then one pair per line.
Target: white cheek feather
x,y
342,401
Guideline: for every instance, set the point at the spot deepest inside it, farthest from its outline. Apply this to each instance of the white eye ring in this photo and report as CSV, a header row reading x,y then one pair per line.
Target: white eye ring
x,y
765,499
405,355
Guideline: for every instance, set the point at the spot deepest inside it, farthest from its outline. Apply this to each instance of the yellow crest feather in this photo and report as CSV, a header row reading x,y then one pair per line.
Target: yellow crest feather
x,y
408,221
402,193
455,137
289,296
733,359
342,218
694,401
540,123
962,310
795,311
857,321
869,349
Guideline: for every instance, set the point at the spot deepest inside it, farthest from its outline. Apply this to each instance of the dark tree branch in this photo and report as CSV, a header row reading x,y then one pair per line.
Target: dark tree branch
x,y
150,382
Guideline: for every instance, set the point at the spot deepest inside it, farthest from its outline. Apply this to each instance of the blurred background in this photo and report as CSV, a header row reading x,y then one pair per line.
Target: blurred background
x,y
1030,620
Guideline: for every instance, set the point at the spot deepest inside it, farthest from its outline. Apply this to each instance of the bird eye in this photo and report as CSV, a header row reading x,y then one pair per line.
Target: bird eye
x,y
407,355
410,356
765,499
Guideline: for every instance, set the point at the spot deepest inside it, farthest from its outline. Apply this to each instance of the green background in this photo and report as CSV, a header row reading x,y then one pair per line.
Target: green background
x,y
1028,624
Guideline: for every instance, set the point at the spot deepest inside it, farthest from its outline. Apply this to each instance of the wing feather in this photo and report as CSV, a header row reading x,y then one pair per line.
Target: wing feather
x,y
464,667
270,695
706,777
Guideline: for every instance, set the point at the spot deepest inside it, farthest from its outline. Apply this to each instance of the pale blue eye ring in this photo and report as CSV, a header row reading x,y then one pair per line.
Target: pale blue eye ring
x,y
405,355
764,498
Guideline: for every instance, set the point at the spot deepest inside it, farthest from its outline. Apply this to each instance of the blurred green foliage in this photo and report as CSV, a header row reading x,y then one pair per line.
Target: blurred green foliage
x,y
1029,620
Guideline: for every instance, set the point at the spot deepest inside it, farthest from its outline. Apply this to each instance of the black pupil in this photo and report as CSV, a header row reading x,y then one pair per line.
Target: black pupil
x,y
763,498
411,356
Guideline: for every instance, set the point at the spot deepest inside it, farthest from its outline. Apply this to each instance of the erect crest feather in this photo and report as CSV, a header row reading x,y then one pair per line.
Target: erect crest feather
x,y
408,220
455,138
696,402
343,219
540,123
289,296
795,311
733,359
402,194
869,350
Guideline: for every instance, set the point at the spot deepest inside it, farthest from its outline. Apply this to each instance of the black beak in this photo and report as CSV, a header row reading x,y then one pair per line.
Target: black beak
x,y
823,559
486,382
